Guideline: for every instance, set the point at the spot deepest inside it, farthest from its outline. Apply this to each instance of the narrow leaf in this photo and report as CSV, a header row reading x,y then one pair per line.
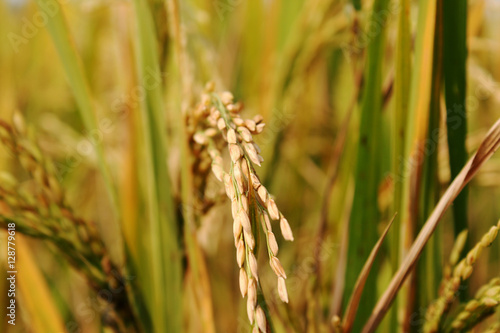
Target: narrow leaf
x,y
164,292
455,53
362,226
353,304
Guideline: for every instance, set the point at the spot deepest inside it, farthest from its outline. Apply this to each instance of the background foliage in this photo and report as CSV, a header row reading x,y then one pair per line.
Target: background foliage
x,y
372,108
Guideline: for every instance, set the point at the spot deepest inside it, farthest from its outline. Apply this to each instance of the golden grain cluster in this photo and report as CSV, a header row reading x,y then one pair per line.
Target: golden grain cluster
x,y
252,206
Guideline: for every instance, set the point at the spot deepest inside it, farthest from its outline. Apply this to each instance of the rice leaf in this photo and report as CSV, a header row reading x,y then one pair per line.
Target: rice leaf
x,y
362,226
165,290
455,53
353,304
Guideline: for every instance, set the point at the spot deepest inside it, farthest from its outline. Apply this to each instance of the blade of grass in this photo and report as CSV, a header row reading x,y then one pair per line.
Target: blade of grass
x,y
428,272
402,87
402,82
416,133
455,53
165,290
417,120
364,216
352,306
487,148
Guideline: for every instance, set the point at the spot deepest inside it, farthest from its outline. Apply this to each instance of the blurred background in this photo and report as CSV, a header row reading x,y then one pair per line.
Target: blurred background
x,y
303,66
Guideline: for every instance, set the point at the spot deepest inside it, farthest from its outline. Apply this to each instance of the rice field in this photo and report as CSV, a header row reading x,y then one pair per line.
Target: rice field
x,y
249,166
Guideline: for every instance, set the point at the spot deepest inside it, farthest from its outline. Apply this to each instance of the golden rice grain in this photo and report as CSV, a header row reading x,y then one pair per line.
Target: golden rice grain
x,y
277,267
240,253
219,122
249,239
237,228
286,231
282,291
243,282
226,97
273,245
253,265
273,209
231,136
261,319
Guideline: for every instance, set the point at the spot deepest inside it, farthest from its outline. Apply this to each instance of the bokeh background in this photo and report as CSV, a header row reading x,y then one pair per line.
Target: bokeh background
x,y
299,64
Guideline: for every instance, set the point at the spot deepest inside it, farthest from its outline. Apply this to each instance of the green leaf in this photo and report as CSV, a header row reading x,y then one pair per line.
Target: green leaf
x,y
365,215
164,292
455,53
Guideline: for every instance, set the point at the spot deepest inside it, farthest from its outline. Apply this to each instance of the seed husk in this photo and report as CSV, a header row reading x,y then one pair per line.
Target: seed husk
x,y
240,253
261,319
244,203
250,124
243,282
249,239
245,221
273,209
282,292
221,124
234,152
252,291
245,134
217,171
286,231
252,261
250,311
262,195
231,136
273,245
226,97
237,228
277,267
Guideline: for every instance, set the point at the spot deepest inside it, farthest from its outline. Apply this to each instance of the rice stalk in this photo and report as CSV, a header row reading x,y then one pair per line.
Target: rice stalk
x,y
428,271
417,124
216,120
364,216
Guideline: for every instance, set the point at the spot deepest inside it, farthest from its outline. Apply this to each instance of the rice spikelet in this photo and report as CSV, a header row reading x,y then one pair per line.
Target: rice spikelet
x,y
216,122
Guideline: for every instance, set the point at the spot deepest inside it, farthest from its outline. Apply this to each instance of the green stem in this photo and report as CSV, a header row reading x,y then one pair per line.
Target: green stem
x,y
365,215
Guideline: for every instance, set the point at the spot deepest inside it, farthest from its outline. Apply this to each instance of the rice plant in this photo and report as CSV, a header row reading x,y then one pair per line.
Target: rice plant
x,y
249,166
